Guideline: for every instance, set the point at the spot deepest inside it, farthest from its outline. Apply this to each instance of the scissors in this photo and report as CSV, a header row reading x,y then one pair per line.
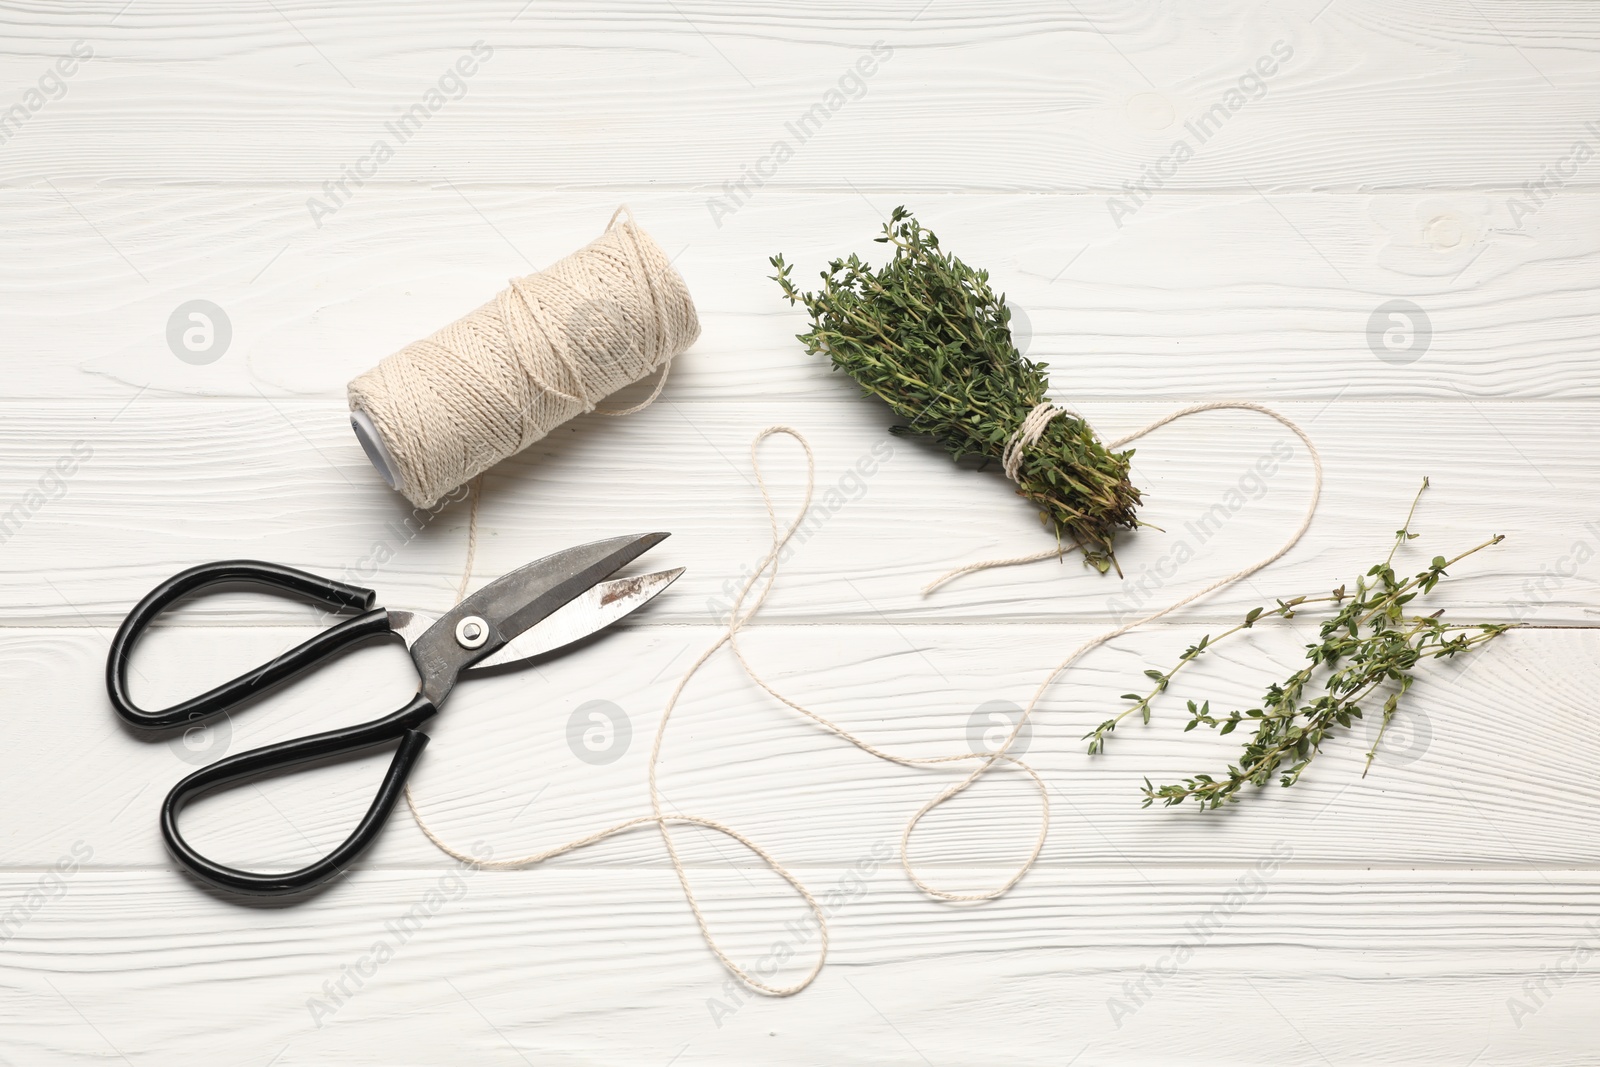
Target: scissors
x,y
536,609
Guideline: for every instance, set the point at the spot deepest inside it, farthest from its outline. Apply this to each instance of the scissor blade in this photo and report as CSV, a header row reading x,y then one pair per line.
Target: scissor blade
x,y
515,602
587,614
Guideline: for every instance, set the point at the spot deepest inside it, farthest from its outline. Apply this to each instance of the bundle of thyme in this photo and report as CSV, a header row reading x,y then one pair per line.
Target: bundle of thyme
x,y
1368,647
928,336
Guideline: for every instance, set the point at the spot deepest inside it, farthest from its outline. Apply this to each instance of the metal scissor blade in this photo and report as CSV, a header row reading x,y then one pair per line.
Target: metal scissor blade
x,y
588,613
515,602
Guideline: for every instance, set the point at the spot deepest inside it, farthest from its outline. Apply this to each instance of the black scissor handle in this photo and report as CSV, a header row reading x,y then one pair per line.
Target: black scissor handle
x,y
334,594
350,739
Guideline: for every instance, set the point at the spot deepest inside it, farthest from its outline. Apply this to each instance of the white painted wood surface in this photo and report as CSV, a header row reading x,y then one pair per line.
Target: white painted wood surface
x,y
1405,916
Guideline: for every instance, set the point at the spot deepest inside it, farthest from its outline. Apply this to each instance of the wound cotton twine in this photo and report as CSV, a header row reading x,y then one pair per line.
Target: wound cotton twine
x,y
548,348
766,574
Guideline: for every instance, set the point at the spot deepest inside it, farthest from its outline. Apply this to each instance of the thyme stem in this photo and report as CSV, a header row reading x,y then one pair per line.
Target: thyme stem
x,y
1371,634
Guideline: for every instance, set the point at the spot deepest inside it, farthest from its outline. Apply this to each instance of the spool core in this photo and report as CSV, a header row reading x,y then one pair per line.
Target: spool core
x,y
372,444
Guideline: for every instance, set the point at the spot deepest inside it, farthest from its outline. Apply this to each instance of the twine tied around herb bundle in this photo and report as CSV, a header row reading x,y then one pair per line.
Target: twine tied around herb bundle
x,y
1027,435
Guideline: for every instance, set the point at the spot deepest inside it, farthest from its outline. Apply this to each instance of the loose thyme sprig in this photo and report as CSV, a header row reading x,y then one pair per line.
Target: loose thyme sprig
x,y
928,336
1371,634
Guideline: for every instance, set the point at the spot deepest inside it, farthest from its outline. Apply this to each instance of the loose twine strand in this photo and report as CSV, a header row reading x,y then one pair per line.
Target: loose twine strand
x,y
1032,428
1023,438
740,616
546,349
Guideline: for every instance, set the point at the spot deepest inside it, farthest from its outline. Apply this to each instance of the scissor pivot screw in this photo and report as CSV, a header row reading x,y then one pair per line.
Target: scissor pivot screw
x,y
472,632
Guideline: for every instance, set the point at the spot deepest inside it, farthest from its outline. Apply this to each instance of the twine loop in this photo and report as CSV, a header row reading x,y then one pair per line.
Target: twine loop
x,y
750,598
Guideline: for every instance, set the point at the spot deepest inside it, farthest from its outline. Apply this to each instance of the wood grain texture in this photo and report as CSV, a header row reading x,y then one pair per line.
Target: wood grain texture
x,y
1201,296
1441,910
567,967
173,481
1015,96
502,767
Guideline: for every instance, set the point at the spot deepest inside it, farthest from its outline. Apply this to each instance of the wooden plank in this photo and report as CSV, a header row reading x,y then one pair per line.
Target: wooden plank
x,y
1150,310
171,483
1024,95
1465,778
586,966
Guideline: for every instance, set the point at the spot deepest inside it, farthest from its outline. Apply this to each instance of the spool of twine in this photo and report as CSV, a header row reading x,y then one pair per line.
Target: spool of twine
x,y
548,348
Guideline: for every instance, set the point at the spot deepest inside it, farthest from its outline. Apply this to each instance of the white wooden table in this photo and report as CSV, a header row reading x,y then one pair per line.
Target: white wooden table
x,y
1443,910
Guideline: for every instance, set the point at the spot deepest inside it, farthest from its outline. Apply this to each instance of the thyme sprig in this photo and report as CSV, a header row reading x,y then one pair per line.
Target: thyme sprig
x,y
1370,645
927,335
